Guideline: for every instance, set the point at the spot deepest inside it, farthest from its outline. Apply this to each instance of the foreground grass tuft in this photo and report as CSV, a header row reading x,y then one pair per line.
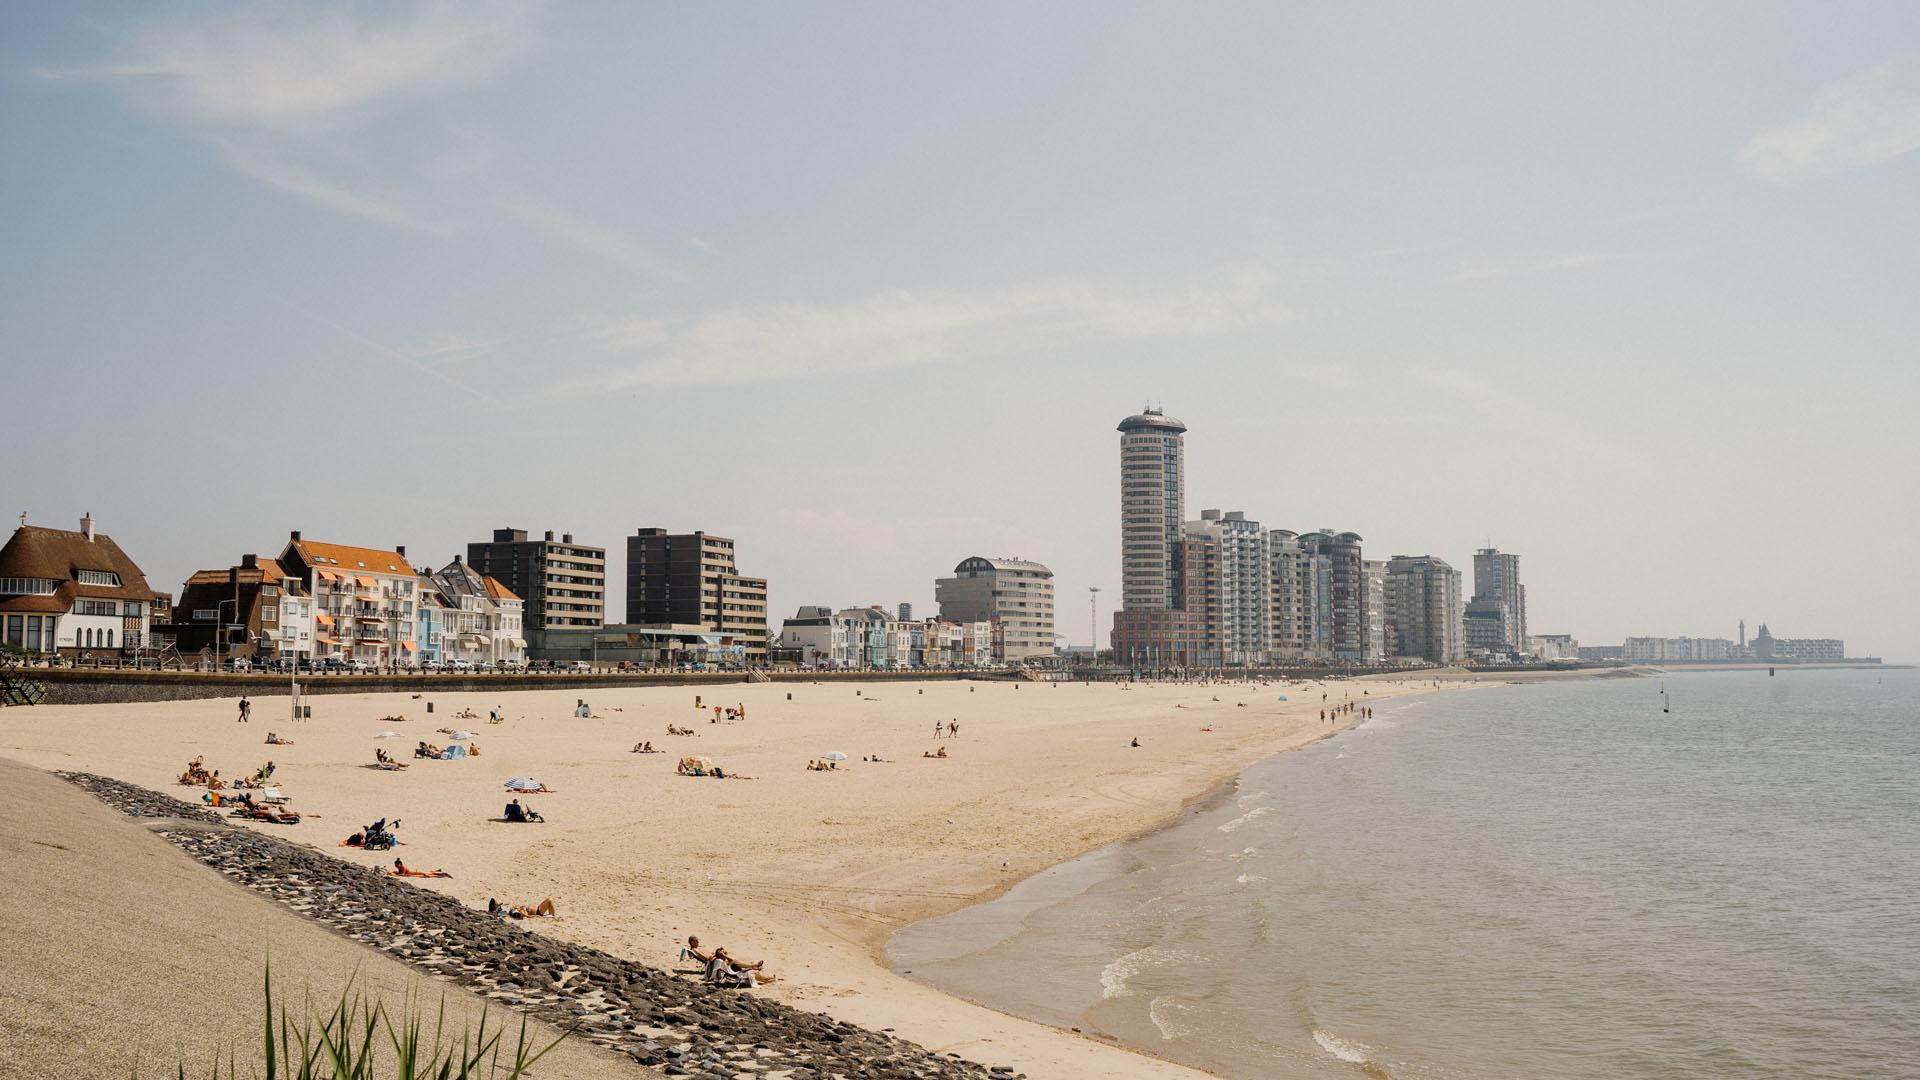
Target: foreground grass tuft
x,y
349,1040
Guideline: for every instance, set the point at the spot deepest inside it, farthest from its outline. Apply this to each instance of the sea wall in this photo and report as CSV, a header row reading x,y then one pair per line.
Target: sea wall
x,y
73,686
669,1020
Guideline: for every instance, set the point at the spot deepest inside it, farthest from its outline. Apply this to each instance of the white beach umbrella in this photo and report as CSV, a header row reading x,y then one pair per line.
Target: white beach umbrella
x,y
833,755
523,783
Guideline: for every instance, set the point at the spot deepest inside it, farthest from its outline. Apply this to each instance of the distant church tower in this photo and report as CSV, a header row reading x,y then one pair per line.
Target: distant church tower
x,y
1743,633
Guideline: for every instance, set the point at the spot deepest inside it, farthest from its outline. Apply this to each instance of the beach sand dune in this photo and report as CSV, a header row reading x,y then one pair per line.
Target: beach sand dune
x,y
120,951
812,871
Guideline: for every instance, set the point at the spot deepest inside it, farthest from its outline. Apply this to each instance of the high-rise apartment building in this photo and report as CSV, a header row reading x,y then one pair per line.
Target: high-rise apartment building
x,y
1496,618
1152,501
1338,619
1292,595
1424,611
1152,628
563,584
1374,574
1015,595
691,579
1245,592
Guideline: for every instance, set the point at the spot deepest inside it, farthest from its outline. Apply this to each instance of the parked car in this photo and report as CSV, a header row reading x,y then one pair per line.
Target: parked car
x,y
582,665
239,663
333,663
359,667
459,664
508,665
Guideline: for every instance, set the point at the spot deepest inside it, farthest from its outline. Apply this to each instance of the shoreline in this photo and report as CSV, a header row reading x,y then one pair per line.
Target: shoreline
x,y
814,873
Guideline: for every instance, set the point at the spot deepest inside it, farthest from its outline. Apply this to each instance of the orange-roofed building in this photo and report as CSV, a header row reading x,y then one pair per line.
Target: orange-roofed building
x,y
364,602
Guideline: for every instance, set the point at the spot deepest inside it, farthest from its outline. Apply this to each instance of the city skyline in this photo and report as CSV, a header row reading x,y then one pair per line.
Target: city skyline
x,y
1434,277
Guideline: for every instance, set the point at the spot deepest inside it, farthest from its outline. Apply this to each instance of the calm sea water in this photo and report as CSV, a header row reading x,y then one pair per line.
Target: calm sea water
x,y
1546,881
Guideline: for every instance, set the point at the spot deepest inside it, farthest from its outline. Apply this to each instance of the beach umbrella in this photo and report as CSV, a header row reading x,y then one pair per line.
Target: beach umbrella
x,y
523,783
461,735
833,755
388,735
1283,697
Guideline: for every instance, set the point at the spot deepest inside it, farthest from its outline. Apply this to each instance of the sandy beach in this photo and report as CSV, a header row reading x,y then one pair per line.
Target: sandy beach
x,y
810,871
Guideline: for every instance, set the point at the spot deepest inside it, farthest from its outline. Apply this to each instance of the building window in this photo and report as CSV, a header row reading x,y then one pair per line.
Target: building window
x,y
16,630
26,586
97,577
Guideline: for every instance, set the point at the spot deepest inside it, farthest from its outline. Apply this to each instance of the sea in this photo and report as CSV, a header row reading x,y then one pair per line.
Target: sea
x,y
1714,874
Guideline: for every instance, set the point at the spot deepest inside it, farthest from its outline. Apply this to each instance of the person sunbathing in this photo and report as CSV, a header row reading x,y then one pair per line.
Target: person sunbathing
x,y
401,869
693,950
544,909
275,740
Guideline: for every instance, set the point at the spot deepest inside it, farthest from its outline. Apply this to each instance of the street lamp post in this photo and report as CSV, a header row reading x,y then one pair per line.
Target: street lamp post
x,y
220,633
1093,622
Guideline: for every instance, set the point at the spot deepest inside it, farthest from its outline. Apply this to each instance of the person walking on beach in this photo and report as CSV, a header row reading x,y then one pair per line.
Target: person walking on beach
x,y
953,728
936,729
246,710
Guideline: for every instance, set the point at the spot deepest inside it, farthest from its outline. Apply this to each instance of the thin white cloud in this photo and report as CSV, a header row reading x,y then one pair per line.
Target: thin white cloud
x,y
297,65
574,230
453,348
1864,121
298,181
901,328
1490,269
399,356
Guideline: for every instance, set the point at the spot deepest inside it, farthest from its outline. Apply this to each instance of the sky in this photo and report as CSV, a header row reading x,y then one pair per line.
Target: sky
x,y
1628,289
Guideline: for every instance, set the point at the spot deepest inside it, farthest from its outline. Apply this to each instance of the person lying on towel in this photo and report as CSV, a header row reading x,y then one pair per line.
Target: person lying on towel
x,y
400,869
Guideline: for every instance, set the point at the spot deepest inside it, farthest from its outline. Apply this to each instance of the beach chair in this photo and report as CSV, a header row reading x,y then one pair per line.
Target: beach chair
x,y
720,973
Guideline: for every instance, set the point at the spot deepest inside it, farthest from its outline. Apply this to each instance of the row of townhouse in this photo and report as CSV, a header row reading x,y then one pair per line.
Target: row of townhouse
x,y
323,603
872,637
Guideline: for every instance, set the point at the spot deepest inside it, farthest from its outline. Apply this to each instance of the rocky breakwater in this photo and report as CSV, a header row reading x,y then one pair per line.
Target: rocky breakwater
x,y
674,1023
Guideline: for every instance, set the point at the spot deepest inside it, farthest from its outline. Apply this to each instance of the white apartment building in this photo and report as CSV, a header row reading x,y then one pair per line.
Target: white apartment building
x,y
482,619
1374,573
1015,595
1246,592
820,638
1656,649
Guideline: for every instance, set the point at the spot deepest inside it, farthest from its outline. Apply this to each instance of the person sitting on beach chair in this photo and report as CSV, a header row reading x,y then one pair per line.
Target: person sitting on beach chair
x,y
520,814
726,971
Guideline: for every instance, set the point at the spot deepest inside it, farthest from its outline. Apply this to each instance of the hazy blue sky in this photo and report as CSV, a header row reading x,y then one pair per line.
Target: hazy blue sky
x,y
1632,289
